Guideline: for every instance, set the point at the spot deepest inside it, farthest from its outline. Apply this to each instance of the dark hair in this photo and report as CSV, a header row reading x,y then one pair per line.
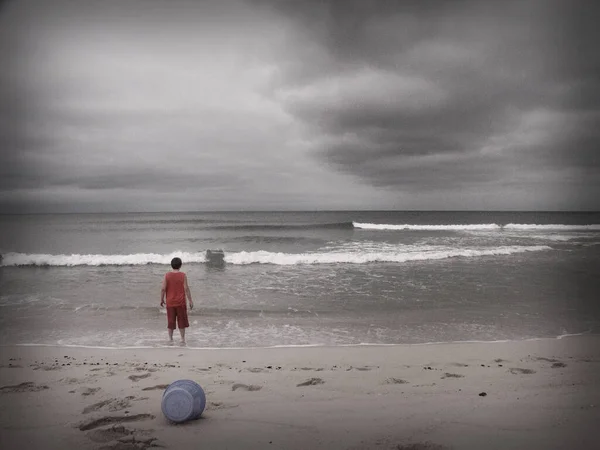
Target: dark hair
x,y
176,263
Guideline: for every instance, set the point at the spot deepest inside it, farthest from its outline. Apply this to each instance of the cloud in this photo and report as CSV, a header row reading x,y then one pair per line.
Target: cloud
x,y
284,104
460,96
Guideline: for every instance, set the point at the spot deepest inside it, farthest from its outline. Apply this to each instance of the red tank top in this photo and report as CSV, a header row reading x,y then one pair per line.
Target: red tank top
x,y
175,288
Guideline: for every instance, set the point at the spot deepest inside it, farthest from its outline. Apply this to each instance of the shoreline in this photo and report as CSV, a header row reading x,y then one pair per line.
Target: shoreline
x,y
537,394
293,346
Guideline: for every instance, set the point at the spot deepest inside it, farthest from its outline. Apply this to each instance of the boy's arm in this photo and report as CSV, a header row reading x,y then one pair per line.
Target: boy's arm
x,y
163,291
187,291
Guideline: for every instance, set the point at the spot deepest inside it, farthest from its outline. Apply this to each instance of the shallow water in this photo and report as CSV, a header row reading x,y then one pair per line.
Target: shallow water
x,y
331,278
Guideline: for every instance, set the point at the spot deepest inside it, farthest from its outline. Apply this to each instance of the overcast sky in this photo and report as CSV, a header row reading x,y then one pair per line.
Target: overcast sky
x,y
155,105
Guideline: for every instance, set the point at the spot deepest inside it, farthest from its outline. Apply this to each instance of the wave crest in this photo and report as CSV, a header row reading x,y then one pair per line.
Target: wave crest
x,y
283,227
383,226
550,227
27,259
265,257
475,227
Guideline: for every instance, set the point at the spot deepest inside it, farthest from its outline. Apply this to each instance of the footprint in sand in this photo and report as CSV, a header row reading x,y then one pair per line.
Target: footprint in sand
x,y
395,381
145,369
45,367
541,358
157,387
97,423
452,375
139,377
220,405
89,391
256,369
113,404
362,368
96,406
422,446
311,382
133,443
245,387
518,370
27,386
120,437
555,362
459,365
109,434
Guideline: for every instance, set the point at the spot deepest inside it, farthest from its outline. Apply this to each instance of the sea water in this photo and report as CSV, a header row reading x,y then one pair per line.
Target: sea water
x,y
300,278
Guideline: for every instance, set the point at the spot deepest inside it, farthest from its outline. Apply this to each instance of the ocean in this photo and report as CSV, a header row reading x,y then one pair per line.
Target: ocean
x,y
300,278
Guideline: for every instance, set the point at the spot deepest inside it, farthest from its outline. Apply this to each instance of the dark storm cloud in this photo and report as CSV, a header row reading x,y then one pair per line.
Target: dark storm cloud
x,y
492,90
410,104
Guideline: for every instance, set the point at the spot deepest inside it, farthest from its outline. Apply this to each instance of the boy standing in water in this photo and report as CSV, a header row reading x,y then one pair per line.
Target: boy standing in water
x,y
175,288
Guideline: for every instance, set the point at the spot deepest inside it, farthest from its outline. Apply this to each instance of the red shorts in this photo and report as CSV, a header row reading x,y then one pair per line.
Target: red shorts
x,y
179,313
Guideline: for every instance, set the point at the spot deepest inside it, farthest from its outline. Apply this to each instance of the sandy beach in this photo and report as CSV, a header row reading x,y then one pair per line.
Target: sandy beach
x,y
538,394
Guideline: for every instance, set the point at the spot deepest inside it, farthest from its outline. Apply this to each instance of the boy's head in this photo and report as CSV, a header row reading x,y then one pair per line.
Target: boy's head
x,y
176,263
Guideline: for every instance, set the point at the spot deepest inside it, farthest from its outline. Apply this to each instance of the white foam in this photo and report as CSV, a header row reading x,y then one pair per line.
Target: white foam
x,y
562,336
284,346
283,259
385,254
456,227
527,226
473,227
550,237
27,259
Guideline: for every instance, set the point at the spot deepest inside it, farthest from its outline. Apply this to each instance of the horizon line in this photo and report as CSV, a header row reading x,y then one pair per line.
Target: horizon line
x,y
304,211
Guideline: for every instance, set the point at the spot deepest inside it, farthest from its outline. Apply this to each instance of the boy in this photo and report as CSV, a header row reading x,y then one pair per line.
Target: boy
x,y
175,288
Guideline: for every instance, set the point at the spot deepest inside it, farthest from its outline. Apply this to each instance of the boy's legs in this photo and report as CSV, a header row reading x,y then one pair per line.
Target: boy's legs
x,y
182,321
171,314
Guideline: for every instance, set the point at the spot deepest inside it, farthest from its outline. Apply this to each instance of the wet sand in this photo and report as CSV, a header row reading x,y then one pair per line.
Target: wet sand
x,y
541,394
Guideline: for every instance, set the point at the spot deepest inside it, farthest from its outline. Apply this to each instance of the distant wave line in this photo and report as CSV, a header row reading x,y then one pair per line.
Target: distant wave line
x,y
255,227
474,227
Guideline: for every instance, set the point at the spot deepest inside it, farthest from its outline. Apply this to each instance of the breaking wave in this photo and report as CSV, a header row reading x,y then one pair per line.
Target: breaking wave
x,y
33,259
476,227
383,226
307,226
560,227
265,257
